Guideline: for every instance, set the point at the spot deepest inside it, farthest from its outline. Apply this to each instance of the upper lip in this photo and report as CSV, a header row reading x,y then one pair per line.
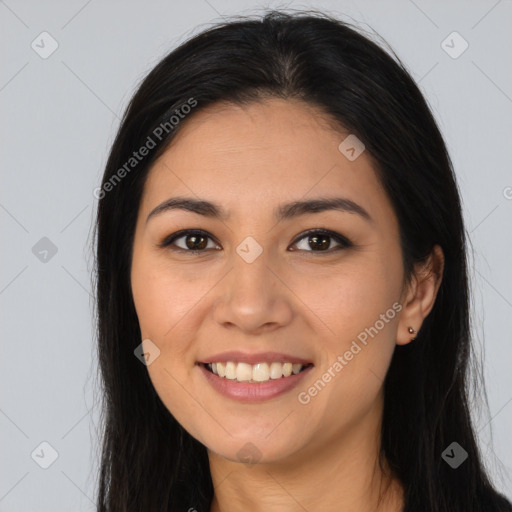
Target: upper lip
x,y
260,357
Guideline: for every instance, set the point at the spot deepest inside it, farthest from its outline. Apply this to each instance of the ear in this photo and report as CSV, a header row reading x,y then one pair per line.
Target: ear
x,y
420,295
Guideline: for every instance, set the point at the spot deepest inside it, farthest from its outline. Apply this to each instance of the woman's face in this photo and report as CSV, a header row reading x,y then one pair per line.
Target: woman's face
x,y
260,285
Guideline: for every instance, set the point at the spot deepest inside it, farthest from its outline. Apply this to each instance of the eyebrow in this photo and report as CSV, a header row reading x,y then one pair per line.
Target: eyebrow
x,y
283,212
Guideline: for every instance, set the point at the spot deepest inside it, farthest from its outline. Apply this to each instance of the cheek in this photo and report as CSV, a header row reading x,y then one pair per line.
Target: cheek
x,y
162,300
163,296
359,304
349,297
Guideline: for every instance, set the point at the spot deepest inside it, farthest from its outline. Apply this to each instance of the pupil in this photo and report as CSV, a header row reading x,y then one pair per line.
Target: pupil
x,y
315,238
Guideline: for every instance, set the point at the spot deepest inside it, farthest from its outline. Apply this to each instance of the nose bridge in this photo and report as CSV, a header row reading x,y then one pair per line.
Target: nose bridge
x,y
252,276
251,297
250,250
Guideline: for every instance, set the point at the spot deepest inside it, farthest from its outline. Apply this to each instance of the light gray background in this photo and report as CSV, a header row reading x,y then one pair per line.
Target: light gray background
x,y
58,119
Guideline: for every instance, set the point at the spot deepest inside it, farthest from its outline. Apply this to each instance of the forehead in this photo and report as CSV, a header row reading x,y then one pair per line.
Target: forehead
x,y
274,150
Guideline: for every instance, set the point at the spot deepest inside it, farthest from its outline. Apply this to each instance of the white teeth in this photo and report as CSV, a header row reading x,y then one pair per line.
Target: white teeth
x,y
276,370
261,372
296,368
230,370
243,372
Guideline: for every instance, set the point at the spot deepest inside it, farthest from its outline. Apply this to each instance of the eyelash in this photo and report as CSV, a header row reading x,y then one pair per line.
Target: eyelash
x,y
168,241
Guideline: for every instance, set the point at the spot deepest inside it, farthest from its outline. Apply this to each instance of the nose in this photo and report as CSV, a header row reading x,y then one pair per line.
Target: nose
x,y
253,298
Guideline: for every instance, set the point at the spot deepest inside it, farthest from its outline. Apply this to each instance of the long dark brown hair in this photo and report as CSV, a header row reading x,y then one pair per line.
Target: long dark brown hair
x,y
148,461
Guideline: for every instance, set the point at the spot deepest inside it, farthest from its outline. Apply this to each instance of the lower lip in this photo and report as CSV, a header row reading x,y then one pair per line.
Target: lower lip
x,y
253,392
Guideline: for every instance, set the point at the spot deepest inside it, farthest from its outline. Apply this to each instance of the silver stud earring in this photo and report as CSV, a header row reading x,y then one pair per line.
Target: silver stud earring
x,y
411,331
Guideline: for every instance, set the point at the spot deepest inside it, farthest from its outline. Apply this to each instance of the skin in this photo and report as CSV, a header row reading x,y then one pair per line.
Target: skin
x,y
311,303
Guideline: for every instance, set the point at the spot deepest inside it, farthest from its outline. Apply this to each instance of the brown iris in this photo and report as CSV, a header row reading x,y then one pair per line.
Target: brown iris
x,y
324,244
193,244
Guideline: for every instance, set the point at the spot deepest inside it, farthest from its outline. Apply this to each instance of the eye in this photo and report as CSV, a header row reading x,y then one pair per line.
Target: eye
x,y
320,241
195,240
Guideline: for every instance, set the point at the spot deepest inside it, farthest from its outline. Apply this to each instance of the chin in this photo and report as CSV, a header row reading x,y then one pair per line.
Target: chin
x,y
249,450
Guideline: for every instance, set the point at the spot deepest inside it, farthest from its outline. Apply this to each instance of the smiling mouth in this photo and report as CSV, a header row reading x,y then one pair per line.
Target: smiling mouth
x,y
255,373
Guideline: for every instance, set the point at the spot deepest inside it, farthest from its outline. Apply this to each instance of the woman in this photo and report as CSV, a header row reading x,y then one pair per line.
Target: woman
x,y
282,285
